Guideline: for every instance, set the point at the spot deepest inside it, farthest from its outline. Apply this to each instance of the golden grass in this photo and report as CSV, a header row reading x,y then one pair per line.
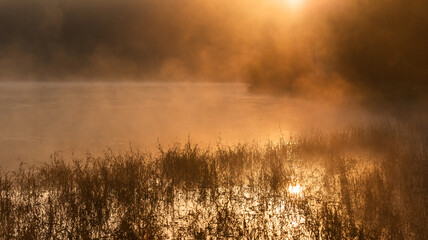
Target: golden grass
x,y
364,182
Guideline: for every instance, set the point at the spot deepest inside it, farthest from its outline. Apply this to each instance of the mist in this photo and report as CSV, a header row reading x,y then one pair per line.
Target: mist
x,y
198,119
371,51
353,54
367,52
117,40
77,118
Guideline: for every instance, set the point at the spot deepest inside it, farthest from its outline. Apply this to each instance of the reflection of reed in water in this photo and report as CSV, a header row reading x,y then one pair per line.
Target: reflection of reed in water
x,y
310,187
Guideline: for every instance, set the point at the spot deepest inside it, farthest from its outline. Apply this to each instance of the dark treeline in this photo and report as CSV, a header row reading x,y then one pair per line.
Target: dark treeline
x,y
373,51
380,47
59,40
360,183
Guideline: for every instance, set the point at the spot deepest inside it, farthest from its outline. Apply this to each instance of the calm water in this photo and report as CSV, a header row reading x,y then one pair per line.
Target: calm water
x,y
38,119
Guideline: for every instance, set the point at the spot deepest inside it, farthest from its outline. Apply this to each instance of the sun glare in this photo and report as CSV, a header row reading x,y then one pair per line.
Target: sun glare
x,y
294,4
295,189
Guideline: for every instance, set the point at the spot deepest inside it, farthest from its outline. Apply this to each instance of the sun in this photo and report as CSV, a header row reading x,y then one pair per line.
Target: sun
x,y
294,4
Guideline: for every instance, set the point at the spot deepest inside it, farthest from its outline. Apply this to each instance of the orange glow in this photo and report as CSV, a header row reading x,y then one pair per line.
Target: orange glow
x,y
294,4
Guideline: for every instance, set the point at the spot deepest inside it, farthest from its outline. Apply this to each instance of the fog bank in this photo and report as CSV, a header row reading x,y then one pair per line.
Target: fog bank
x,y
369,51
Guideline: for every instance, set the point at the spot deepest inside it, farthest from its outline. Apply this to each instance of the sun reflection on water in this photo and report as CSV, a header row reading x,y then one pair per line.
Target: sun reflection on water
x,y
295,189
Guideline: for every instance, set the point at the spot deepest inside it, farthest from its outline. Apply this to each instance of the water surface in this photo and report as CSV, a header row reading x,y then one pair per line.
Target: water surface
x,y
38,119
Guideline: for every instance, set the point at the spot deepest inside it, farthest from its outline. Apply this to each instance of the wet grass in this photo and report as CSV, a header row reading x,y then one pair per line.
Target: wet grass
x,y
364,182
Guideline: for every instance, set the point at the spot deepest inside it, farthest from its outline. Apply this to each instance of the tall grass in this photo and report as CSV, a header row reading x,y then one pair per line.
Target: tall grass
x,y
364,182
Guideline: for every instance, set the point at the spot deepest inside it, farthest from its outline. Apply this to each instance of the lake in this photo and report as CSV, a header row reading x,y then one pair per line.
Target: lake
x,y
38,119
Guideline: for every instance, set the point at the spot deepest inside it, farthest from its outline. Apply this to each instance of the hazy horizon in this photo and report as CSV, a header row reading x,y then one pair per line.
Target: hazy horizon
x,y
214,119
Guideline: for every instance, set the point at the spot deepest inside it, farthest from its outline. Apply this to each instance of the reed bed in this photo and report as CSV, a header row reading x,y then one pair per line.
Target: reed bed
x,y
363,182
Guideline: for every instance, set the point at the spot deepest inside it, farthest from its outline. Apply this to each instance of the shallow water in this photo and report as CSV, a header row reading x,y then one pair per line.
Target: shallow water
x,y
38,119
